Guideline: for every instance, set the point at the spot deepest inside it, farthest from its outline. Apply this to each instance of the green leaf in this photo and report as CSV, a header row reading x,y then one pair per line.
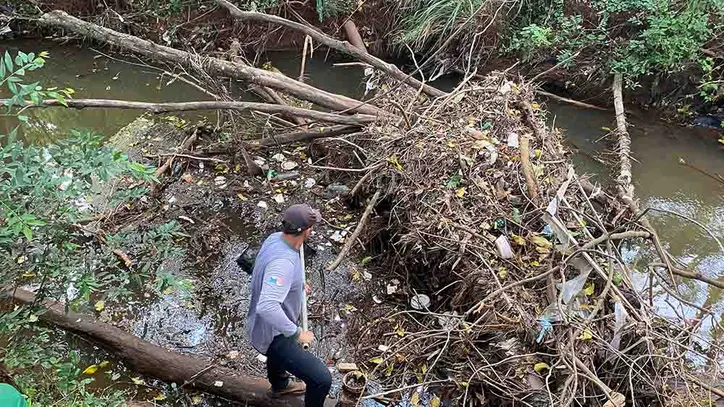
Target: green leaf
x,y
2,71
8,61
23,119
28,233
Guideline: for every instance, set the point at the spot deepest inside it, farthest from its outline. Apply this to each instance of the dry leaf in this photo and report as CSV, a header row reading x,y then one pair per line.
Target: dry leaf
x,y
518,240
435,402
90,369
589,289
415,399
100,305
377,360
460,192
104,364
541,241
586,335
138,381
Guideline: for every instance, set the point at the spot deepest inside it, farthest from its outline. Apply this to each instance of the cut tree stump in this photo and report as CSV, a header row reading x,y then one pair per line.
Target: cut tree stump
x,y
152,360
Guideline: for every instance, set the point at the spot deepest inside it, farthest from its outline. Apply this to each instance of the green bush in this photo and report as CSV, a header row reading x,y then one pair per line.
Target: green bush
x,y
632,37
47,192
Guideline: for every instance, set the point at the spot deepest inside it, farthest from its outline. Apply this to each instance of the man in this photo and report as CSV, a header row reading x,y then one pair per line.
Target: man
x,y
276,301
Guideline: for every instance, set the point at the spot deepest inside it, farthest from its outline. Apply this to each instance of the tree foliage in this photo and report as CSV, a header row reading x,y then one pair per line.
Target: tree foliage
x,y
46,193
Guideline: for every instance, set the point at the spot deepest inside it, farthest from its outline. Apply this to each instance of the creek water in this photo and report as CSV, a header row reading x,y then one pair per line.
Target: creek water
x,y
661,181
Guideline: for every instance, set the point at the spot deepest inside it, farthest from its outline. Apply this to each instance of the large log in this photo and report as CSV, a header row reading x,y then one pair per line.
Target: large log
x,y
146,358
205,105
214,66
297,136
342,46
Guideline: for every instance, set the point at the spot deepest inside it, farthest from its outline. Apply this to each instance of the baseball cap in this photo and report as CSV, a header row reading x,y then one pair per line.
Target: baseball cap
x,y
300,217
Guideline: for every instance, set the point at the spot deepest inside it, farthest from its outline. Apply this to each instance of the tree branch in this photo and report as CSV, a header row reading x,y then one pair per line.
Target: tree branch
x,y
207,105
342,46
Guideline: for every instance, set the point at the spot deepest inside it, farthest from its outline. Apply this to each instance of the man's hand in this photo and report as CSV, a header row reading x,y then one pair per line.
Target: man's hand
x,y
307,289
305,337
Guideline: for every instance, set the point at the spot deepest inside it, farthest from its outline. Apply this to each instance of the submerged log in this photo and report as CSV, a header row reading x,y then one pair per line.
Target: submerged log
x,y
146,358
207,105
214,66
342,46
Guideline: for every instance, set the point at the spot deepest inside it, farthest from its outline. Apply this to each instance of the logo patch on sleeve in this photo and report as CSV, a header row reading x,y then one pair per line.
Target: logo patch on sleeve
x,y
277,281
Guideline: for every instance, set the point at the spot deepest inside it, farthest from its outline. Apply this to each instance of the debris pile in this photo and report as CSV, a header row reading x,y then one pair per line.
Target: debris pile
x,y
510,265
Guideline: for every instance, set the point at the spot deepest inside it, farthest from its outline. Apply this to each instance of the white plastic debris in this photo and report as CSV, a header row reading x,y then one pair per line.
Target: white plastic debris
x,y
449,320
383,348
505,88
233,354
171,200
366,275
220,182
504,249
262,205
219,383
337,236
513,140
187,219
261,358
309,182
289,165
279,157
392,286
376,299
420,302
278,198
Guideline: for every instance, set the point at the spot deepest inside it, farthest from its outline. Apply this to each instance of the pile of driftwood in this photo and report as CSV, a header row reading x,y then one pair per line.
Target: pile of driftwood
x,y
526,297
529,300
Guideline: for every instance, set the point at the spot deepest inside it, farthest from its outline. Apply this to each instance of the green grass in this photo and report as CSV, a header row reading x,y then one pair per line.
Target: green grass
x,y
427,23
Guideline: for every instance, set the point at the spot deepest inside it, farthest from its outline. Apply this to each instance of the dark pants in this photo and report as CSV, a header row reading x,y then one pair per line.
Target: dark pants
x,y
286,355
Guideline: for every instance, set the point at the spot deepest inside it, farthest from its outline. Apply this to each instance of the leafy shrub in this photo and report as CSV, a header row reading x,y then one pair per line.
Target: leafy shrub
x,y
46,194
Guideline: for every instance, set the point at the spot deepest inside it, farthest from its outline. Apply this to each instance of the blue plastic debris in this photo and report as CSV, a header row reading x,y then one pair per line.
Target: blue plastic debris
x,y
546,326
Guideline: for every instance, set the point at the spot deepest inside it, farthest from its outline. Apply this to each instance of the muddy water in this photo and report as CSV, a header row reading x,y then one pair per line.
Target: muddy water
x,y
663,183
91,75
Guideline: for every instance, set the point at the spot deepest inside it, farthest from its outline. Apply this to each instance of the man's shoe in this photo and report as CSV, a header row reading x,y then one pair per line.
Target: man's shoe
x,y
293,389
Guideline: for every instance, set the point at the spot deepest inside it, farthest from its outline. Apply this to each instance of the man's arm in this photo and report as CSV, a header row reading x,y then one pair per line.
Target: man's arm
x,y
277,281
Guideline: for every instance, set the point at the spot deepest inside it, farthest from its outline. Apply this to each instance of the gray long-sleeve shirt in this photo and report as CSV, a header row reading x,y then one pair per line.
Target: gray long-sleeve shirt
x,y
276,292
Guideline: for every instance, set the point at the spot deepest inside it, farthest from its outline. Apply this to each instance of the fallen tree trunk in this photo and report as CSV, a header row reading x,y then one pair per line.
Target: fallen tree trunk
x,y
146,358
624,139
216,66
342,46
207,105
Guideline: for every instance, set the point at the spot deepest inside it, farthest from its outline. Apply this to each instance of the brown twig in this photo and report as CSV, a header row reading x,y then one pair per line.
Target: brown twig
x,y
528,169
